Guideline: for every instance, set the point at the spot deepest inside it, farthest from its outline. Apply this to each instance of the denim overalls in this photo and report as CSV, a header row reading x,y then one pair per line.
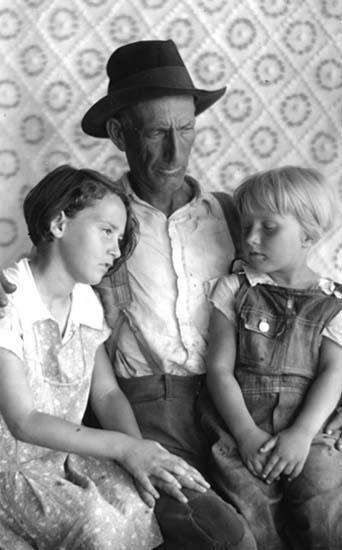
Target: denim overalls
x,y
279,338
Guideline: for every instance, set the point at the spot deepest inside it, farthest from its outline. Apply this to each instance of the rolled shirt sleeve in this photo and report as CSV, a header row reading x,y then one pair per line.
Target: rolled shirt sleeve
x,y
222,296
333,330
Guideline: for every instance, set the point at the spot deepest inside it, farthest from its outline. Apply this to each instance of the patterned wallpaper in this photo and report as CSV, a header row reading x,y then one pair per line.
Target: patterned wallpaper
x,y
281,60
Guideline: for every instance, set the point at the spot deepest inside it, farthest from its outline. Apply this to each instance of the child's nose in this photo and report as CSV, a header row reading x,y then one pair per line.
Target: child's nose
x,y
115,250
253,236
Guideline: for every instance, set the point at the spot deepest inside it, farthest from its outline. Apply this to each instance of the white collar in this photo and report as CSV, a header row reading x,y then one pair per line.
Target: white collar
x,y
85,305
256,278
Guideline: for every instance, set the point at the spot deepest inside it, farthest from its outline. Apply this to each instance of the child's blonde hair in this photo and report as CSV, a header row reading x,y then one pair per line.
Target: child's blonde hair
x,y
301,192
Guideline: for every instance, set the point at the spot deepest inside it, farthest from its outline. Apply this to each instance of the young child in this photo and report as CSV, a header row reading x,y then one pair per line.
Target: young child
x,y
275,366
52,358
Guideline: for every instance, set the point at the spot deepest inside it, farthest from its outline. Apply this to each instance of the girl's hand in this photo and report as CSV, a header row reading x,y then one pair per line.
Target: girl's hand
x,y
152,465
290,449
249,449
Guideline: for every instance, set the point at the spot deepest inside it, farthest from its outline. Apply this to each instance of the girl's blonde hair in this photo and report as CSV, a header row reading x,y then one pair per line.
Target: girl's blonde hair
x,y
301,192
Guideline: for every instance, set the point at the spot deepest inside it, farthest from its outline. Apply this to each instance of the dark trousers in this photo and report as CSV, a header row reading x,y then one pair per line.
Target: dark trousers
x,y
165,408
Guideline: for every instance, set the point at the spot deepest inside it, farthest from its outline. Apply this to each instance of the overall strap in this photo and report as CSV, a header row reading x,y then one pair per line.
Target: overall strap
x,y
232,218
244,286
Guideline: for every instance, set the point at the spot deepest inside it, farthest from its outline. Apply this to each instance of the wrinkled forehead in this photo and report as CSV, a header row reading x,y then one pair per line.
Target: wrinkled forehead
x,y
168,106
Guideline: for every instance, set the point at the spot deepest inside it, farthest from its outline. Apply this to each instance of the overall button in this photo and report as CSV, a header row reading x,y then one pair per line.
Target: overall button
x,y
264,326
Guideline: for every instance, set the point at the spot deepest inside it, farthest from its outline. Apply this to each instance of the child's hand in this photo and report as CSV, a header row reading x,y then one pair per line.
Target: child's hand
x,y
250,453
290,449
151,464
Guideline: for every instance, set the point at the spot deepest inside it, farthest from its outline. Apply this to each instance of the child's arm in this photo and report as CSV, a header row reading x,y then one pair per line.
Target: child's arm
x,y
142,458
226,393
114,412
290,447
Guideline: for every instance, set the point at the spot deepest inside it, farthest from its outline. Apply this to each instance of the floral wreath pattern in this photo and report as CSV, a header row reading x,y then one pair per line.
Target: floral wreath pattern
x,y
279,59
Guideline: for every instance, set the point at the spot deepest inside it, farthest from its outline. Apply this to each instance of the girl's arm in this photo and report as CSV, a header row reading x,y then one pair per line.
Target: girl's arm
x,y
290,447
114,412
141,458
107,400
226,392
325,391
38,428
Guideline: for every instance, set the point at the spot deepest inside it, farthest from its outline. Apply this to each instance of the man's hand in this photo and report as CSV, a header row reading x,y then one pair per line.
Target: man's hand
x,y
153,466
334,427
5,288
192,480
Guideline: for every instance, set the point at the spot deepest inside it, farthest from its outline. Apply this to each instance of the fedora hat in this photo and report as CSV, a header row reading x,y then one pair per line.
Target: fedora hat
x,y
144,70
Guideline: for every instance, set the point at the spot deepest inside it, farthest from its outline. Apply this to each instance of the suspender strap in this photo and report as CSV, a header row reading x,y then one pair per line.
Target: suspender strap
x,y
115,293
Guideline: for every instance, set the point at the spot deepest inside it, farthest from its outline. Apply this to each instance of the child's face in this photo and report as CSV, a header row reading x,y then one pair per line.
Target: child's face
x,y
91,240
274,244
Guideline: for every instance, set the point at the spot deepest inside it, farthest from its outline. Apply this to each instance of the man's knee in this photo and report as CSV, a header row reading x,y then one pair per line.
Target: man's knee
x,y
206,522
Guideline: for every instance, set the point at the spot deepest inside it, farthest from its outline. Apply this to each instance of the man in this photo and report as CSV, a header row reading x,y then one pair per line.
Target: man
x,y
159,332
158,307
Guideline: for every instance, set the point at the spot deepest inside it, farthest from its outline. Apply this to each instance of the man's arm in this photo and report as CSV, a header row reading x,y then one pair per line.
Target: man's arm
x,y
334,427
5,288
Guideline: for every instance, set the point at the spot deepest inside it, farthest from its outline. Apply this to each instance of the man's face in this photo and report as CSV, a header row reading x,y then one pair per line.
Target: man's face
x,y
158,142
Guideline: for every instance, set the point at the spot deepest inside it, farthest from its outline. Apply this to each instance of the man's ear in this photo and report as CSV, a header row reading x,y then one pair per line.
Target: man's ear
x,y
58,224
115,133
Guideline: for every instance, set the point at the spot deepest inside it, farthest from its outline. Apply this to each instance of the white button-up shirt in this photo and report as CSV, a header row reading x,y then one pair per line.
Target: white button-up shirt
x,y
169,272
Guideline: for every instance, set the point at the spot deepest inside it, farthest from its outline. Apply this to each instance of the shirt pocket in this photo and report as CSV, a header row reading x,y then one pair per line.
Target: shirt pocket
x,y
260,338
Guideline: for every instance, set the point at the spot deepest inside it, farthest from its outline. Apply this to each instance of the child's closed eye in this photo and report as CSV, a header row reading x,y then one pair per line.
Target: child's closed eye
x,y
108,231
270,227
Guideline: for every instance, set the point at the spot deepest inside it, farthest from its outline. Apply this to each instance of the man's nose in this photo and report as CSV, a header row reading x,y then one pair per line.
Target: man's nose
x,y
172,146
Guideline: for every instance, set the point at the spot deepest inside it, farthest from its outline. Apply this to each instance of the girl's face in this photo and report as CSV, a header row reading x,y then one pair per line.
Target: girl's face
x,y
91,240
275,244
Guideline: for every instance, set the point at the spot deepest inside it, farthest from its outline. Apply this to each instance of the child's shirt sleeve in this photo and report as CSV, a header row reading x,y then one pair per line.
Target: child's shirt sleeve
x,y
223,295
333,330
11,337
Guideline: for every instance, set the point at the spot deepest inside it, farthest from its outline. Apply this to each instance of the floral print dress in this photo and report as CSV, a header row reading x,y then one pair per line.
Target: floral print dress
x,y
49,499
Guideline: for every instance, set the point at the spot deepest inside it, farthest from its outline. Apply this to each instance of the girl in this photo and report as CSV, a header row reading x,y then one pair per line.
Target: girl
x,y
274,366
52,358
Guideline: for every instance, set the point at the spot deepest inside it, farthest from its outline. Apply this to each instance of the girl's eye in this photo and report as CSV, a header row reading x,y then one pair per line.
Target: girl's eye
x,y
108,231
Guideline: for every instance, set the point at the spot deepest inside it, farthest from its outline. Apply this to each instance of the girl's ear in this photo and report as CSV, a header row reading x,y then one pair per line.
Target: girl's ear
x,y
58,224
115,132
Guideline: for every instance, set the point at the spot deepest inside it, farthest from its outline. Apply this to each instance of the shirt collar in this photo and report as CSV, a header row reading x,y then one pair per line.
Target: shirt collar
x,y
85,305
255,278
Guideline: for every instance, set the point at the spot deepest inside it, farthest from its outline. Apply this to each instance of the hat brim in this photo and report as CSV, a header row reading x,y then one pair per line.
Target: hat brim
x,y
95,120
